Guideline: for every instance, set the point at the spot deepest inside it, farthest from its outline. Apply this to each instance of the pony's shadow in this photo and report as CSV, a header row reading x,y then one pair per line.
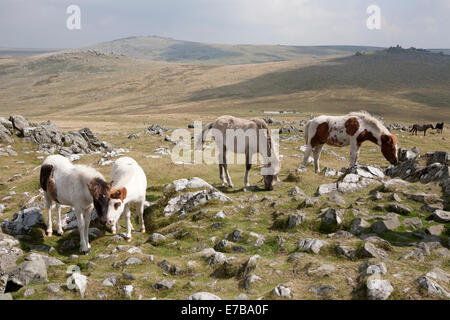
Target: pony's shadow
x,y
228,190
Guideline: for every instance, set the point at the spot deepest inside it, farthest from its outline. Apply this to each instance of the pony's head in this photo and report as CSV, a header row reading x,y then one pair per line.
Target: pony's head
x,y
100,191
270,173
116,205
389,147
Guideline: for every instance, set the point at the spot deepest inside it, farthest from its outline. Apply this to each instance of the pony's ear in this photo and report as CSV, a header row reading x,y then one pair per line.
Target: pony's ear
x,y
119,194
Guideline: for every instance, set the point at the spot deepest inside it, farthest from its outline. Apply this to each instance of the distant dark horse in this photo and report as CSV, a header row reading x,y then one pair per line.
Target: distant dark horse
x,y
418,127
439,127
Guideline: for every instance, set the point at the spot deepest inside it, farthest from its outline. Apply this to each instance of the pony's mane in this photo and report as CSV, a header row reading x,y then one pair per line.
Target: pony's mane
x,y
88,172
370,119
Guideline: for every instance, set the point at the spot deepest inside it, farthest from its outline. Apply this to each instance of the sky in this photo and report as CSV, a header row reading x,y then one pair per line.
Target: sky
x,y
410,23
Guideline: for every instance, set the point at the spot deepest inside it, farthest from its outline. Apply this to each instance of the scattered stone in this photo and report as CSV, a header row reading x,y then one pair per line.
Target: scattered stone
x,y
322,290
203,296
79,283
432,287
295,220
311,245
440,216
53,288
164,284
400,209
332,217
251,278
110,281
128,291
385,225
157,237
436,230
23,222
282,291
358,226
378,289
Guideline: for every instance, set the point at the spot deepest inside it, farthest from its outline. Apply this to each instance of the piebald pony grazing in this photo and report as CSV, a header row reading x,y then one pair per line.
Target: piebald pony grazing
x,y
129,185
78,186
352,129
243,129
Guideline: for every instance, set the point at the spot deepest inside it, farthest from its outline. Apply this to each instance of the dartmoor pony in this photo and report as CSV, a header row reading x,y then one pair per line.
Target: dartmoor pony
x,y
129,185
253,137
352,129
439,127
418,127
78,186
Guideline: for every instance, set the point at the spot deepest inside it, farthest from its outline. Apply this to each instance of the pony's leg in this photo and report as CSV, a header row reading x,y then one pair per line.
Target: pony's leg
x,y
248,166
225,167
129,225
307,154
48,202
87,221
222,159
81,230
59,230
354,153
140,211
317,150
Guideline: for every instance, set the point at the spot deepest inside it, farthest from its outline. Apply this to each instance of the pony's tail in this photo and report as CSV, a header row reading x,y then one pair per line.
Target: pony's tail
x,y
306,132
200,139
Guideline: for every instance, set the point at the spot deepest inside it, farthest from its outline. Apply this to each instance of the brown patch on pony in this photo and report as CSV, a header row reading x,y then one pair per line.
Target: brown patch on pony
x,y
99,190
321,135
351,126
388,147
98,187
364,136
47,182
119,194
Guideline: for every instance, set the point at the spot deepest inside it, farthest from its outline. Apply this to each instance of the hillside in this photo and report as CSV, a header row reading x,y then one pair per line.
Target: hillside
x,y
170,50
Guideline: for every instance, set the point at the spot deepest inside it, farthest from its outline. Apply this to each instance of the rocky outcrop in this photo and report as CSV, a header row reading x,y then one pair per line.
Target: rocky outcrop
x,y
50,138
353,179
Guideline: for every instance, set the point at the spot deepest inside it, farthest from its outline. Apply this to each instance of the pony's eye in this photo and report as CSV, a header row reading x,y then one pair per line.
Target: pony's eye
x,y
116,205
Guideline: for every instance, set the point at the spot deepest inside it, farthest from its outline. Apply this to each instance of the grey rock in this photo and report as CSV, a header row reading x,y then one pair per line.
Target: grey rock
x,y
222,245
19,123
332,217
385,225
322,290
188,201
422,197
432,287
311,245
164,284
5,296
131,261
29,292
8,257
436,230
398,208
203,296
295,256
414,223
23,222
53,288
80,283
346,251
217,258
440,216
157,237
378,289
28,272
110,281
236,235
371,251
358,226
49,261
295,220
251,278
282,291
128,291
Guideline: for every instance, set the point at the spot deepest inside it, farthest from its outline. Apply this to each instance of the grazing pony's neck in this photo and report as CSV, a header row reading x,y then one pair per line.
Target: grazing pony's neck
x,y
372,126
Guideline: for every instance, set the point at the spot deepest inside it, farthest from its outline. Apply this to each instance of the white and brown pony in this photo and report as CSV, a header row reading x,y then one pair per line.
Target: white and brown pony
x,y
129,185
78,186
352,129
247,137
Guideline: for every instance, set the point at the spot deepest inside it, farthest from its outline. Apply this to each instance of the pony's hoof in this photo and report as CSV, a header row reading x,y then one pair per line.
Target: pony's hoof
x,y
128,239
59,233
113,231
142,230
49,233
231,186
85,252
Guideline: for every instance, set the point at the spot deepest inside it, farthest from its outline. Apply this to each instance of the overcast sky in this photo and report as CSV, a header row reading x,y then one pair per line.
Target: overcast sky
x,y
42,23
